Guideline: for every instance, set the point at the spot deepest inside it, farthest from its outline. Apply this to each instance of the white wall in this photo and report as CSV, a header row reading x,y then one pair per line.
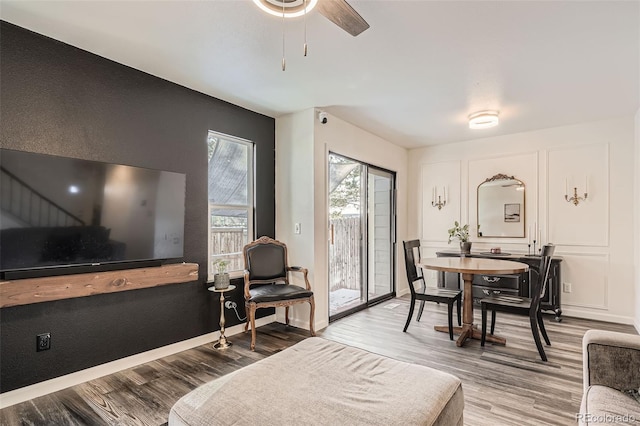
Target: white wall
x,y
295,199
594,238
302,145
637,220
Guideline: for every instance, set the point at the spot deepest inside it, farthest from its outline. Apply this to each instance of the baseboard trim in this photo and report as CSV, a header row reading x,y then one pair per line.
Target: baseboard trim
x,y
598,316
53,385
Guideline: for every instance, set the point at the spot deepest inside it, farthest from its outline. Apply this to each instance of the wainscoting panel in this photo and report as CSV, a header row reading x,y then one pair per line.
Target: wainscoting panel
x,y
587,168
441,176
588,275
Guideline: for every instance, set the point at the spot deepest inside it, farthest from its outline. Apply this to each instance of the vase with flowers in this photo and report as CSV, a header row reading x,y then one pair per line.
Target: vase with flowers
x,y
461,233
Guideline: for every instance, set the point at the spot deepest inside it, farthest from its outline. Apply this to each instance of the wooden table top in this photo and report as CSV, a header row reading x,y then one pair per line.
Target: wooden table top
x,y
473,265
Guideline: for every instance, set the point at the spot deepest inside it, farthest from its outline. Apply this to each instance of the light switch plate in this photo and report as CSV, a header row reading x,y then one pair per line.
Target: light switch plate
x,y
296,228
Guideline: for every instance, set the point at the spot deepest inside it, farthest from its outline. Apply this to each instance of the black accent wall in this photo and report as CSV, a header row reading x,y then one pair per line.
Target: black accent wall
x,y
60,100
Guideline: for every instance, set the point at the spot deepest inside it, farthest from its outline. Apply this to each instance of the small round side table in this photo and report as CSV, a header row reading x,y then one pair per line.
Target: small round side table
x,y
222,341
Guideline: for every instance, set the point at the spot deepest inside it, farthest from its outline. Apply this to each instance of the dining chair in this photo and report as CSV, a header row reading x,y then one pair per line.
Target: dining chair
x,y
267,285
425,294
523,305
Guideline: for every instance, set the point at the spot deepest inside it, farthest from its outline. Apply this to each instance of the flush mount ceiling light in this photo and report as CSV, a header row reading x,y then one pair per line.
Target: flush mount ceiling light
x,y
286,8
483,119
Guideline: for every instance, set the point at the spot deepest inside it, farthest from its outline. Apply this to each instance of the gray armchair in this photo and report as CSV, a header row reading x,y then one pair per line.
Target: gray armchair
x,y
611,365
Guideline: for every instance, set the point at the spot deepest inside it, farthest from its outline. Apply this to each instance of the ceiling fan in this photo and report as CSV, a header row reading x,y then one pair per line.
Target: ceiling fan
x,y
337,11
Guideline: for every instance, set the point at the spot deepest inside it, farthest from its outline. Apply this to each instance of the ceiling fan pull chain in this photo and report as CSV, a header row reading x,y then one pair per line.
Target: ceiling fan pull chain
x,y
304,4
284,62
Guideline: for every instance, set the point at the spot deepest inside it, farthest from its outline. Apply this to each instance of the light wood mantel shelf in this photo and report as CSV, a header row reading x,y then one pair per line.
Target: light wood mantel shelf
x,y
46,289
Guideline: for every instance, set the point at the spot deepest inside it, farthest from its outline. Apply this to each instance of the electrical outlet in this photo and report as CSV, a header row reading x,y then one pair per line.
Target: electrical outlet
x,y
43,342
566,287
296,228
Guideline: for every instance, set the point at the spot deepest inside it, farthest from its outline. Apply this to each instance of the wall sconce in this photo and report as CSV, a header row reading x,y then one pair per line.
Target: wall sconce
x,y
439,201
575,199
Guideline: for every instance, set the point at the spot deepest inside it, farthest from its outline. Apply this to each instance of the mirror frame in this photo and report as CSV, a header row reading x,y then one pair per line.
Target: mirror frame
x,y
501,176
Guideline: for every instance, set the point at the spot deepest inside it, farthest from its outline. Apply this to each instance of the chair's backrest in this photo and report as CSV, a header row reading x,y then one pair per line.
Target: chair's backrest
x,y
266,261
411,252
539,286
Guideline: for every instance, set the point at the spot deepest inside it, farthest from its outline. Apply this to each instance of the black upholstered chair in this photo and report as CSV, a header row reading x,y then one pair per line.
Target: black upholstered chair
x,y
424,294
266,282
523,305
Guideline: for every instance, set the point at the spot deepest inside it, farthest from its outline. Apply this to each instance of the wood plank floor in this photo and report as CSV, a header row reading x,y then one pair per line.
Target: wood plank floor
x,y
503,385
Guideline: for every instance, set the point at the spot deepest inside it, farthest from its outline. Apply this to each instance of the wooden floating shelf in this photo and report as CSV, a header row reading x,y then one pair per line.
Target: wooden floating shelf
x,y
46,289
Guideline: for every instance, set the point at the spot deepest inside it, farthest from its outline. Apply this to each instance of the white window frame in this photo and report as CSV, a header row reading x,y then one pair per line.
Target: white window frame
x,y
249,207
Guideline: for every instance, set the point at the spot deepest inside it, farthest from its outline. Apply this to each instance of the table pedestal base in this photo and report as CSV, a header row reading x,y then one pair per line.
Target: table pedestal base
x,y
470,331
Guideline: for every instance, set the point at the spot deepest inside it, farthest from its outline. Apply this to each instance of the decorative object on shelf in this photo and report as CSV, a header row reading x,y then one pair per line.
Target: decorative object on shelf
x,y
461,233
483,119
439,201
576,199
221,279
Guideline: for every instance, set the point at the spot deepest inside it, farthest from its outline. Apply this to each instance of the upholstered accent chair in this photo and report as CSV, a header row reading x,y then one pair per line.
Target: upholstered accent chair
x,y
266,282
523,305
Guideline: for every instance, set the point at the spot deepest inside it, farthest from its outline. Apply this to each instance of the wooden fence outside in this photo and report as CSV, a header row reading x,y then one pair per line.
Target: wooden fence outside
x,y
229,241
344,254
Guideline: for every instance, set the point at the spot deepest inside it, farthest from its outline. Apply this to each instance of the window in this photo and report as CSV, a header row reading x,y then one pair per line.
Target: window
x,y
230,199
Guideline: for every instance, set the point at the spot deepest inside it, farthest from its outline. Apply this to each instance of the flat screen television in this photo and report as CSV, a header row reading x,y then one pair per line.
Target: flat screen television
x,y
63,215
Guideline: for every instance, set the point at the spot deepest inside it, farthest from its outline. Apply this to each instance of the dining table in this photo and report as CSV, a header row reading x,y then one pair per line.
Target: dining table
x,y
467,267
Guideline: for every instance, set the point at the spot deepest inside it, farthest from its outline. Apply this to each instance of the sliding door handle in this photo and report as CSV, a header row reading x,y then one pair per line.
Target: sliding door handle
x,y
332,234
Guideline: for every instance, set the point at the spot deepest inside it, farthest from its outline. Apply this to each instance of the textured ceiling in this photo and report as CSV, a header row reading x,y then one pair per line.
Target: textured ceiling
x,y
412,78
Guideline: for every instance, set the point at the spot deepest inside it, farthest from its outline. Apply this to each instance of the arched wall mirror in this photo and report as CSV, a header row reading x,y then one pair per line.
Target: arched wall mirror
x,y
501,207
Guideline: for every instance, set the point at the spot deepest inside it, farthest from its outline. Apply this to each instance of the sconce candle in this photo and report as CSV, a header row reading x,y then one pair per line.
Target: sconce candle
x,y
438,201
575,199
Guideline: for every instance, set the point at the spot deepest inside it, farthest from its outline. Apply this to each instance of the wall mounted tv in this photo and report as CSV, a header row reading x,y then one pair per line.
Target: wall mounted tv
x,y
63,215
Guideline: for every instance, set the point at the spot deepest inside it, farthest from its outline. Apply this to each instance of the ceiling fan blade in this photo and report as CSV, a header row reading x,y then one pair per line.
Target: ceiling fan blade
x,y
343,15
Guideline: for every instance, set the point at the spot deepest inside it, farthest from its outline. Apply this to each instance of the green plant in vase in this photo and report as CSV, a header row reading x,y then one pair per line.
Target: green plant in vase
x,y
221,278
460,233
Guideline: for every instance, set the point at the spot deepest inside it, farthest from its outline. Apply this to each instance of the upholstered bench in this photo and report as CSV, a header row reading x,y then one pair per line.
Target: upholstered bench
x,y
318,382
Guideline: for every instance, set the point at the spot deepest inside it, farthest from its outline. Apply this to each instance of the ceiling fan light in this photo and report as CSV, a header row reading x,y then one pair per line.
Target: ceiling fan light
x,y
291,9
483,120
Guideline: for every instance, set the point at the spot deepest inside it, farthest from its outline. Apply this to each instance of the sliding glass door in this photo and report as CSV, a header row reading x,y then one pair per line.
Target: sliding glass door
x,y
361,235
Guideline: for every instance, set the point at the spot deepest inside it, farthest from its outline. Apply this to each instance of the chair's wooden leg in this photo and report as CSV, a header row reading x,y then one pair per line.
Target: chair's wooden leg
x,y
286,316
493,320
420,310
312,304
542,329
484,325
459,302
450,318
536,337
246,316
413,302
252,315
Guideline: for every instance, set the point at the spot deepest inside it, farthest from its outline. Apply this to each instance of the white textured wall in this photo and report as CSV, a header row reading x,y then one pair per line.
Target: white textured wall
x,y
295,200
594,238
